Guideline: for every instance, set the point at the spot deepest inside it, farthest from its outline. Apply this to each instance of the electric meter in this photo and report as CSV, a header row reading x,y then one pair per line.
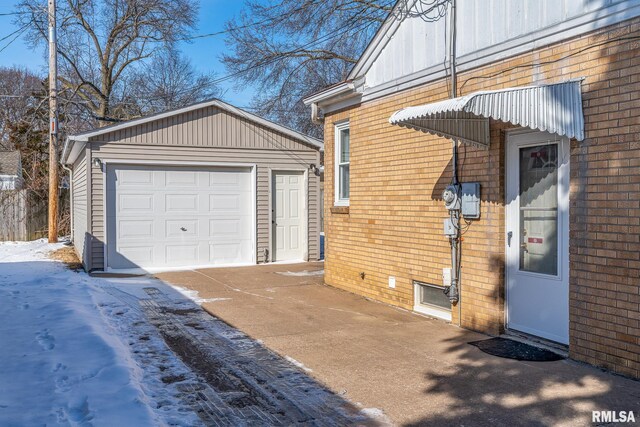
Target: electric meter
x,y
451,198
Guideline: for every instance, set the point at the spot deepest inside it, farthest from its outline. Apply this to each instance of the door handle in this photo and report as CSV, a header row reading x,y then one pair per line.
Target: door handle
x,y
509,236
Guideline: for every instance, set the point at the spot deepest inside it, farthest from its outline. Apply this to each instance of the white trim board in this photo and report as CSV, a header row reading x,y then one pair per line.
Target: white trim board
x,y
338,127
379,41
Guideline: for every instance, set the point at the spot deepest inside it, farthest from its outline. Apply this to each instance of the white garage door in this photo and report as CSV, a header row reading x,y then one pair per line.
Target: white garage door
x,y
159,217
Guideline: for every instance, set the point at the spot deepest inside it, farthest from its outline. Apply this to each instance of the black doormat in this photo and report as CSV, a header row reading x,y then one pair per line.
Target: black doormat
x,y
511,349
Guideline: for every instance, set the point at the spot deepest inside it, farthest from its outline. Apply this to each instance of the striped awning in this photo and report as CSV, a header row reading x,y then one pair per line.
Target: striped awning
x,y
553,108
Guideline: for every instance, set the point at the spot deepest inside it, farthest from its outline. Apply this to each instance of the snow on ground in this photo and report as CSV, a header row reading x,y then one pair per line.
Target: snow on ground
x,y
76,350
195,296
302,273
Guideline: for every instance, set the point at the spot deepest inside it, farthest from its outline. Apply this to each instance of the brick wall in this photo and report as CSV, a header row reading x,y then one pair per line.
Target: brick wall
x,y
394,222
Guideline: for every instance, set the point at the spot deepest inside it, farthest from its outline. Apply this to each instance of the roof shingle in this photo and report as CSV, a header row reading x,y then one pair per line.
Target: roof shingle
x,y
10,163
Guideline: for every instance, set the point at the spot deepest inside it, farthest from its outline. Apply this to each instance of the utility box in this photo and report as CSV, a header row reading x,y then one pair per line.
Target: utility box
x,y
471,200
446,277
449,228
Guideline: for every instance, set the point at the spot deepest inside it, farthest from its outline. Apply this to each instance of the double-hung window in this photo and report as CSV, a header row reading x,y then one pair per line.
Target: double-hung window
x,y
342,147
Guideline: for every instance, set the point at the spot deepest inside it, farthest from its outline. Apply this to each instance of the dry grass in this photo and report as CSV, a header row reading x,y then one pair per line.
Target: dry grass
x,y
68,256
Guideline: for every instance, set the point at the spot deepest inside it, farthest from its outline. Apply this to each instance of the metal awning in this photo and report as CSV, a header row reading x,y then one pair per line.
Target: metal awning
x,y
554,108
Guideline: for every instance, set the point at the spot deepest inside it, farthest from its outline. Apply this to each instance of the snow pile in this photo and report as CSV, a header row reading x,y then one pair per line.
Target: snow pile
x,y
302,273
66,357
298,364
195,296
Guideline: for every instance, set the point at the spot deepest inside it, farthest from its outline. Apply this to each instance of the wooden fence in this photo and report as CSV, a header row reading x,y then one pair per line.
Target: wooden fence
x,y
23,216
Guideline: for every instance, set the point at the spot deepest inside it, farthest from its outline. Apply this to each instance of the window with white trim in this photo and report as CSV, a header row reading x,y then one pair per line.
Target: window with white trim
x,y
342,157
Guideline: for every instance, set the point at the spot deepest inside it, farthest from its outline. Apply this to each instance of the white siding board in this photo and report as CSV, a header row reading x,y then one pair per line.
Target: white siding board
x,y
500,25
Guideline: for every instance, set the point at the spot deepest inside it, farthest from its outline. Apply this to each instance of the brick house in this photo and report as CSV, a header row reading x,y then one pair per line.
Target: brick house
x,y
546,117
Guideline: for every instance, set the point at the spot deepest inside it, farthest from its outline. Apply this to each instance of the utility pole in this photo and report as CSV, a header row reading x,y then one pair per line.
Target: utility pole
x,y
53,125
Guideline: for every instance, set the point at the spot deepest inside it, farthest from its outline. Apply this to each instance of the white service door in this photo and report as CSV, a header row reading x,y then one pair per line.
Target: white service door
x,y
289,216
165,216
537,241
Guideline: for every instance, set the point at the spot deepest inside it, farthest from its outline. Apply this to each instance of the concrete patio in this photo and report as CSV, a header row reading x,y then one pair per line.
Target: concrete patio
x,y
419,371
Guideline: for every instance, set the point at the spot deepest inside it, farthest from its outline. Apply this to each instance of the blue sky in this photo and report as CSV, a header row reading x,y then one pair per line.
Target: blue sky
x,y
204,53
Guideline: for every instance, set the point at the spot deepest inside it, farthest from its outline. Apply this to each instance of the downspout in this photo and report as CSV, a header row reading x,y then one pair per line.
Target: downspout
x,y
315,119
70,200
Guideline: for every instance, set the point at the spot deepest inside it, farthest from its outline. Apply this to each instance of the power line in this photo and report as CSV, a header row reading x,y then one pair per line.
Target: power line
x,y
353,25
240,27
21,96
249,25
322,39
14,13
17,33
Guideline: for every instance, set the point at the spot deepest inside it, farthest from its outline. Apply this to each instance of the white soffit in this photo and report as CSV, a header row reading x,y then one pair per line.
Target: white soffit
x,y
554,108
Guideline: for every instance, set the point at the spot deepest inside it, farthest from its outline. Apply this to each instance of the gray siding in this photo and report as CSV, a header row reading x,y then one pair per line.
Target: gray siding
x,y
79,182
205,127
202,140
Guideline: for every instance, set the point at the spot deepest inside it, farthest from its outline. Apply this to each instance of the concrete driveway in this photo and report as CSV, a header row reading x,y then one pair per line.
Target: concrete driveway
x,y
419,371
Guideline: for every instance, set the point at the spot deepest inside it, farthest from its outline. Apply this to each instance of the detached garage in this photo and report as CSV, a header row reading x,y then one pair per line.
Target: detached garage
x,y
202,186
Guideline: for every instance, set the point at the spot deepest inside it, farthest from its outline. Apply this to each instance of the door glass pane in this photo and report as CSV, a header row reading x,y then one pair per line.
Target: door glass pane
x,y
344,146
539,209
344,182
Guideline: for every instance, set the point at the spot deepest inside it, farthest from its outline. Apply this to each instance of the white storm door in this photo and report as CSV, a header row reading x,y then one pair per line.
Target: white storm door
x,y
170,216
537,235
288,216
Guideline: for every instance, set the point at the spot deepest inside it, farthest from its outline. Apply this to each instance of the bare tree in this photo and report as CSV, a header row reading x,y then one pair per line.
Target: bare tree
x,y
296,47
100,43
18,87
24,126
170,81
30,135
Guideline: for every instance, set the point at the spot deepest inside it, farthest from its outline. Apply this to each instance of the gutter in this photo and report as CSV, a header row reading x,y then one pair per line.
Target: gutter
x,y
63,156
315,119
345,87
341,92
69,146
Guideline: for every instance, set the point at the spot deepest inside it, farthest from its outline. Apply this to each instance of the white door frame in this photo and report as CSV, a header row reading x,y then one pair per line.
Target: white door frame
x,y
527,138
106,163
305,212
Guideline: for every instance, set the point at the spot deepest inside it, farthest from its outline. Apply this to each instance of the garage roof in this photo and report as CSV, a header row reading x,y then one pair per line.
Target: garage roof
x,y
75,143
